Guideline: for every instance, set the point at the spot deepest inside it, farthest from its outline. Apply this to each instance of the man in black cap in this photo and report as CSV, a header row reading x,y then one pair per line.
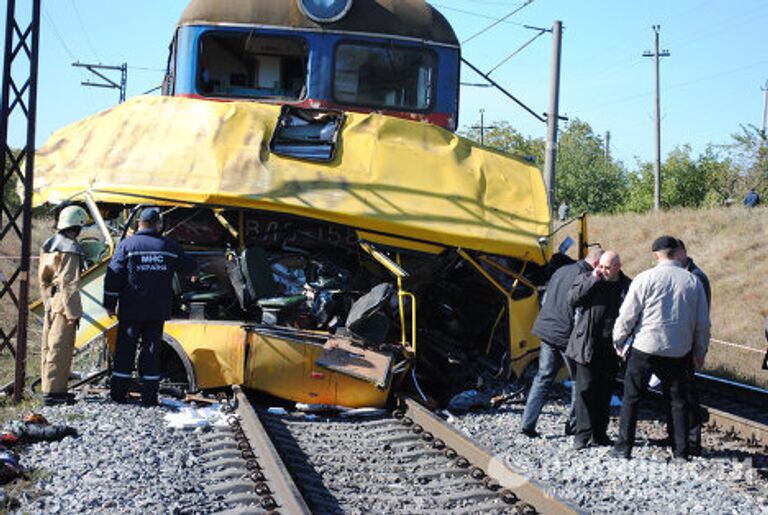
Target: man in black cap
x,y
667,315
138,287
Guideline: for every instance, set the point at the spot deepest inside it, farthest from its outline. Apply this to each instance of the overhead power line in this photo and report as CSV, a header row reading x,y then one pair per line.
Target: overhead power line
x,y
85,31
500,20
472,13
146,69
56,33
522,47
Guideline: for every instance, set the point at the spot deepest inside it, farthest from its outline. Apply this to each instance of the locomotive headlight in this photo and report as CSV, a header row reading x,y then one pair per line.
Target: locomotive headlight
x,y
325,11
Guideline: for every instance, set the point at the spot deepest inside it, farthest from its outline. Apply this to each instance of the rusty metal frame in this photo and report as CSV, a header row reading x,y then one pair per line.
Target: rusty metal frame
x,y
21,56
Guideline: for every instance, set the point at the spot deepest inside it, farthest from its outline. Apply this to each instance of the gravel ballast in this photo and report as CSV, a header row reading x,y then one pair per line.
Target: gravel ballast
x,y
125,460
724,480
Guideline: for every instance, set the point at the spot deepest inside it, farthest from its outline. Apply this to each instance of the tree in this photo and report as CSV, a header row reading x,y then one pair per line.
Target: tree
x,y
722,178
585,177
685,179
506,138
590,180
749,154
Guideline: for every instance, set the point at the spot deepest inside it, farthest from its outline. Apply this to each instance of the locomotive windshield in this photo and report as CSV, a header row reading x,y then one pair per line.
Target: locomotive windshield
x,y
243,64
399,78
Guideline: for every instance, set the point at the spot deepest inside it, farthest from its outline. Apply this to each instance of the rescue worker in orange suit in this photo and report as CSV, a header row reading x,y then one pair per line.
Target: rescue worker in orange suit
x,y
138,287
61,261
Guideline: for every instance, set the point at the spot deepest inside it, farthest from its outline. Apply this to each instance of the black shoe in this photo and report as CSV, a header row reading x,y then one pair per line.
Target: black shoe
x,y
661,442
58,399
694,451
530,433
620,451
579,444
602,441
568,429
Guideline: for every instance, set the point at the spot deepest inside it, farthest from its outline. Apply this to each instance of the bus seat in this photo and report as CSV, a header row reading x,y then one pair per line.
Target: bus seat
x,y
366,318
251,276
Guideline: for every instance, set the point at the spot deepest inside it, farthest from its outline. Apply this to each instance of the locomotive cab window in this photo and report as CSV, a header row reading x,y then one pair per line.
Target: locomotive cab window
x,y
246,65
398,78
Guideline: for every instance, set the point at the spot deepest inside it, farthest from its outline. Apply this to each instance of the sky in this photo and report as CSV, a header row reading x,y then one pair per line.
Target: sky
x,y
710,84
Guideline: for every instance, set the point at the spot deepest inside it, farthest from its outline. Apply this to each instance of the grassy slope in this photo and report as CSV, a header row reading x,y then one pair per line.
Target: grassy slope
x,y
730,245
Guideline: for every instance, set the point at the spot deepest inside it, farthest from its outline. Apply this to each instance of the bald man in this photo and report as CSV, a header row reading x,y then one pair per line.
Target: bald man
x,y
597,296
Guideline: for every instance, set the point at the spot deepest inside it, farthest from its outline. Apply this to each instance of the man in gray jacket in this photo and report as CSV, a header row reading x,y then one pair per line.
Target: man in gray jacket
x,y
666,312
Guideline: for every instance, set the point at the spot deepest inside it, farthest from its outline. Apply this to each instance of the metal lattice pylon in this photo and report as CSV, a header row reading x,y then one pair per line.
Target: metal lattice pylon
x,y
19,102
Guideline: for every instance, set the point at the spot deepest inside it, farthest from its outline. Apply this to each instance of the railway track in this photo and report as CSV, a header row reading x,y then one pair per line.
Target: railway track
x,y
735,408
406,462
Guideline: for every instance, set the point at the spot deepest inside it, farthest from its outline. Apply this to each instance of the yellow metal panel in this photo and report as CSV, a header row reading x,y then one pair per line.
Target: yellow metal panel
x,y
216,349
287,370
523,344
390,175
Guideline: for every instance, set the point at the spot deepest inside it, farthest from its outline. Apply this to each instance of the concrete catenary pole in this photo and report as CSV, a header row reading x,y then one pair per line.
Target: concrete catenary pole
x,y
657,164
607,145
765,110
550,155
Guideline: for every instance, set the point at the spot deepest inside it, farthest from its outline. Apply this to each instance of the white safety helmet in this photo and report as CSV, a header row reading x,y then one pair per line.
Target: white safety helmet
x,y
72,216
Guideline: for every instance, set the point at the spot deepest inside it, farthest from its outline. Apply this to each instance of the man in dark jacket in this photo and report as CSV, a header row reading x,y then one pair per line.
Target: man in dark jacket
x,y
696,415
138,282
597,296
553,326
751,199
765,359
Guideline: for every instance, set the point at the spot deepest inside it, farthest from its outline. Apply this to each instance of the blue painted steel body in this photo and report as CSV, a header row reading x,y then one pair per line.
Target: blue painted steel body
x,y
321,47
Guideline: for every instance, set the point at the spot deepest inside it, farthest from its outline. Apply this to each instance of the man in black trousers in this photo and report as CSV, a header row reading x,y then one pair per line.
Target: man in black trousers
x,y
597,296
138,287
667,315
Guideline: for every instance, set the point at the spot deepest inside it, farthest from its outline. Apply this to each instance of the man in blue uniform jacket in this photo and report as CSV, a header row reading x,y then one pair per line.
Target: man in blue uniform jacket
x,y
138,287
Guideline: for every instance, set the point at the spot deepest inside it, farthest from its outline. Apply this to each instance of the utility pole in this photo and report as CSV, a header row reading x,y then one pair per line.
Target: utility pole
x,y
657,166
550,154
607,146
108,83
18,107
765,110
482,127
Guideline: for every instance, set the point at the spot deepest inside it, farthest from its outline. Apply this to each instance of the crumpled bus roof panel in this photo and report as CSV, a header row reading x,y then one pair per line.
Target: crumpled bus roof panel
x,y
389,175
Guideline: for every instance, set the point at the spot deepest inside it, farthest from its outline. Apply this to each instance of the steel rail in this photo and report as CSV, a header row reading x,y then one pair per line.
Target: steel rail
x,y
718,396
744,393
283,489
527,490
753,432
